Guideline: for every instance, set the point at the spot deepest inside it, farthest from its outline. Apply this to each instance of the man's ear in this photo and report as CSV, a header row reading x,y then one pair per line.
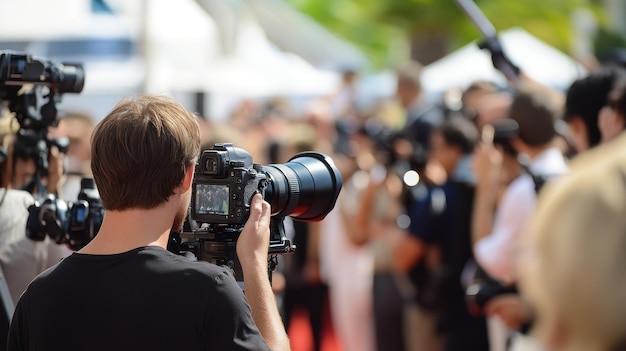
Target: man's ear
x,y
187,179
577,125
518,144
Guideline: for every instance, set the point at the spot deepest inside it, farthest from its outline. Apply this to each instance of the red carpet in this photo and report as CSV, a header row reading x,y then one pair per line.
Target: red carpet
x,y
301,336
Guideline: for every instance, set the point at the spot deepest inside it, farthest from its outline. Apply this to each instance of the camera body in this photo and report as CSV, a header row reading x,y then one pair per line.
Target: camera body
x,y
483,289
225,181
73,223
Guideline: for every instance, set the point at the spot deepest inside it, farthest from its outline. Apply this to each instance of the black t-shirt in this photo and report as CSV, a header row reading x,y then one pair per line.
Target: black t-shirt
x,y
143,299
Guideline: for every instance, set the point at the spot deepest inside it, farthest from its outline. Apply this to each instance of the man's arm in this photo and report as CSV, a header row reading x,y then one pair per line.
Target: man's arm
x,y
17,339
487,167
252,248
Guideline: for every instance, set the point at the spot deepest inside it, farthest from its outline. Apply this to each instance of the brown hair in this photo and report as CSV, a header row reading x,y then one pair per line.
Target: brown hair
x,y
481,86
141,150
535,112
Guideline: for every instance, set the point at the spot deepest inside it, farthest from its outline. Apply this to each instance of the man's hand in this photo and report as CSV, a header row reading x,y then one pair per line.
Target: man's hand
x,y
55,170
254,240
510,308
487,165
500,60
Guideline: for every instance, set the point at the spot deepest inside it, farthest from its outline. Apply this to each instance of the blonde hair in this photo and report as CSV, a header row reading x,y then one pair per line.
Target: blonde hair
x,y
141,151
576,276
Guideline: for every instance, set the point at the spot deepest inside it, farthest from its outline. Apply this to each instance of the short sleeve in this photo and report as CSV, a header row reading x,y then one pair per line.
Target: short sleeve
x,y
497,253
230,325
17,331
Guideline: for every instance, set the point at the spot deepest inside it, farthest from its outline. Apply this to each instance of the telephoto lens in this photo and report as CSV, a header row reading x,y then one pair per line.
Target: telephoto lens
x,y
305,188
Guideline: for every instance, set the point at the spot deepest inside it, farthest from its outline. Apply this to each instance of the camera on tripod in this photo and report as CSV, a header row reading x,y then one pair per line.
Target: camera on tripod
x,y
71,223
33,87
23,77
225,180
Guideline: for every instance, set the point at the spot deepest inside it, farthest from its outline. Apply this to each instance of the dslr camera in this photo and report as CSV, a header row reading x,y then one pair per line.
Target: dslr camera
x,y
72,223
225,180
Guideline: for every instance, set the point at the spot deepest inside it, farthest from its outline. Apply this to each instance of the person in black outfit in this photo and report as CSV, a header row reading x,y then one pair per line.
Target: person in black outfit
x,y
124,290
439,230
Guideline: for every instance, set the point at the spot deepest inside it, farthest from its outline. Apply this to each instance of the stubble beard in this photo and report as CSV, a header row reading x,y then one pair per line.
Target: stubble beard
x,y
179,220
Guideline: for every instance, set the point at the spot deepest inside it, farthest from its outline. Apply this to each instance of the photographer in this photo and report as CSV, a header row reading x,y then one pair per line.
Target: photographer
x,y
21,259
497,237
124,290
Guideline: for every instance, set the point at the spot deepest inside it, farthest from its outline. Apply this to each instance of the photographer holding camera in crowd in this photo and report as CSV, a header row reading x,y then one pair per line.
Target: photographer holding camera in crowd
x,y
31,162
21,259
124,290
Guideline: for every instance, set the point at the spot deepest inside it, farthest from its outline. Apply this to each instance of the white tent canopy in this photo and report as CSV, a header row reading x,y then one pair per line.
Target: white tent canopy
x,y
469,63
192,58
253,67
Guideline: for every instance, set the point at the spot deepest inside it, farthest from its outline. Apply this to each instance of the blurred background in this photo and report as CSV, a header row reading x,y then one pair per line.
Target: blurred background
x,y
212,54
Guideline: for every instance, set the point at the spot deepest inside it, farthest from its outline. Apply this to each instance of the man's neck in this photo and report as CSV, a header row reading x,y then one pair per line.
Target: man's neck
x,y
534,152
125,230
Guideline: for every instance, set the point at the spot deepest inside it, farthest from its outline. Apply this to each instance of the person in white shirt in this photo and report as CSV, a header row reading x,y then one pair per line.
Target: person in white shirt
x,y
498,236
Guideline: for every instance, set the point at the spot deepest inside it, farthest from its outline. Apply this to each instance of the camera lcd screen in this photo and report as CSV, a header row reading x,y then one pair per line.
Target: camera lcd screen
x,y
212,199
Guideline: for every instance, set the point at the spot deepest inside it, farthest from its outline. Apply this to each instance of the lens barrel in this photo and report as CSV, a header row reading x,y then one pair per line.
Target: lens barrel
x,y
305,188
71,78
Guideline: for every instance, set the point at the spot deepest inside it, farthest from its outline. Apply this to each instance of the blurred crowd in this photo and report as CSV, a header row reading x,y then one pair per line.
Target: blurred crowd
x,y
489,220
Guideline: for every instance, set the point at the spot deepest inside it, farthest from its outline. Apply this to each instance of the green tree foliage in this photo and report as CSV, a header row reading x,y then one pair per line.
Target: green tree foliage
x,y
383,28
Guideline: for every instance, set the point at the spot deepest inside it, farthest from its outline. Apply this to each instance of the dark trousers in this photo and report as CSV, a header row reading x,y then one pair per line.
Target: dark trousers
x,y
313,299
388,313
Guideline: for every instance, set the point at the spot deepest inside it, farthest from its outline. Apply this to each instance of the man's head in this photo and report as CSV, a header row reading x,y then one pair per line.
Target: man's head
x,y
142,151
585,98
451,141
474,93
409,86
535,112
492,107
